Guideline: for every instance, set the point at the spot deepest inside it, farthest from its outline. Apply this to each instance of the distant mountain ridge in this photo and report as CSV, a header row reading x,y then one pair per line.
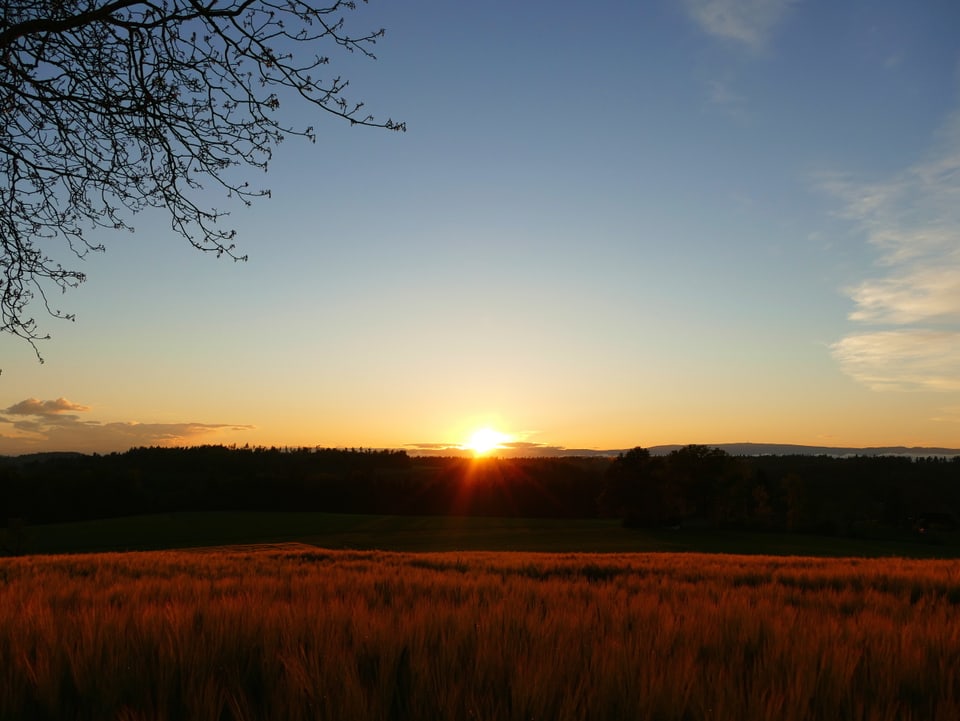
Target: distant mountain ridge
x,y
786,449
530,450
754,449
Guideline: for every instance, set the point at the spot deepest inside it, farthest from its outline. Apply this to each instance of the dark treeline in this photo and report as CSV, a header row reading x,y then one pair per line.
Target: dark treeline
x,y
67,487
801,493
694,485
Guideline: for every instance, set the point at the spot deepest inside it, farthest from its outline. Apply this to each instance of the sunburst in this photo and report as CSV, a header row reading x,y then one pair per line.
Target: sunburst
x,y
484,441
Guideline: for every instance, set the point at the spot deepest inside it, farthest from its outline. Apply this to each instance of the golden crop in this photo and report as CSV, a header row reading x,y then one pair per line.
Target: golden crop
x,y
367,635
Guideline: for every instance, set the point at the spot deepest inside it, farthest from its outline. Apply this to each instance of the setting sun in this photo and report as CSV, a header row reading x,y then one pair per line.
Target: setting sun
x,y
484,440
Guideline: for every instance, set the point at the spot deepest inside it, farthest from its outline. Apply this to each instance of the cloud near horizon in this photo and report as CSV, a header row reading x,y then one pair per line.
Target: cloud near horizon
x,y
33,425
34,407
748,22
913,219
509,449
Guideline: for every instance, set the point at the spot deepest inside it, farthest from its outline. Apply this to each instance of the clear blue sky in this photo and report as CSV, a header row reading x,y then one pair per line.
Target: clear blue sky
x,y
609,224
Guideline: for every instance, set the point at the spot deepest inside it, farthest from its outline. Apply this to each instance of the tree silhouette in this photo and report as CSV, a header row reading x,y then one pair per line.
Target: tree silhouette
x,y
637,489
113,106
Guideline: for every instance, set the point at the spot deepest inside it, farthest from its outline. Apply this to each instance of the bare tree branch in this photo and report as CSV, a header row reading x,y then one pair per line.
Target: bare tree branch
x,y
111,108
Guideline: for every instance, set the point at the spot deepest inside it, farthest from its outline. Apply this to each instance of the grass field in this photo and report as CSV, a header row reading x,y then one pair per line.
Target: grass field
x,y
443,533
311,634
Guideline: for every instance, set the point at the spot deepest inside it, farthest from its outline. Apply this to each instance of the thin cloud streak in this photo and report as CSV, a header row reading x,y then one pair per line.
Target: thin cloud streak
x,y
35,407
949,414
33,425
914,220
924,293
749,22
908,359
723,97
510,449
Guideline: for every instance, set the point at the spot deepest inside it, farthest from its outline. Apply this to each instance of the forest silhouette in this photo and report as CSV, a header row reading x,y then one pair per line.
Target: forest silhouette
x,y
691,486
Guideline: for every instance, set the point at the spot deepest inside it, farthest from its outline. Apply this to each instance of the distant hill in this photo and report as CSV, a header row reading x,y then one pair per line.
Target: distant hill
x,y
530,450
748,449
786,449
42,456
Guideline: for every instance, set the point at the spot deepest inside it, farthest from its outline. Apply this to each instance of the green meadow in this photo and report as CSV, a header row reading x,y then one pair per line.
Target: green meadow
x,y
447,533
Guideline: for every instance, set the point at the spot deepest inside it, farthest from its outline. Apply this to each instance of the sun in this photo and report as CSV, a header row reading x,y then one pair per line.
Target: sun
x,y
484,440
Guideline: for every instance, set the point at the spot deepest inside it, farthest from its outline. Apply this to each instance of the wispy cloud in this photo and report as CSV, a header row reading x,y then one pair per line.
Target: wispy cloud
x,y
722,96
510,449
432,448
906,359
35,425
949,414
34,407
748,22
913,219
744,23
919,294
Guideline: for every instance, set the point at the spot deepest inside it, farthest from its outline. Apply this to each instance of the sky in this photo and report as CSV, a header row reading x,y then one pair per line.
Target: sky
x,y
608,224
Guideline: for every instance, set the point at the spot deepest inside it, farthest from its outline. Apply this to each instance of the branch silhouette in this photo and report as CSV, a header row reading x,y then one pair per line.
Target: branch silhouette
x,y
113,108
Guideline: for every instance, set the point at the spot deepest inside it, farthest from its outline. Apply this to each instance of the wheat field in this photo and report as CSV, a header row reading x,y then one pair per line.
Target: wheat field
x,y
312,634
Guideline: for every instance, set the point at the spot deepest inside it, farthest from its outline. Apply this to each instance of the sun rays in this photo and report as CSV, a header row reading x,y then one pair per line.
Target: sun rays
x,y
485,441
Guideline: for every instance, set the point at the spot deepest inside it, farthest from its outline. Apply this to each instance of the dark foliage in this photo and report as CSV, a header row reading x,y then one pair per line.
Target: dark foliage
x,y
694,485
161,480
706,486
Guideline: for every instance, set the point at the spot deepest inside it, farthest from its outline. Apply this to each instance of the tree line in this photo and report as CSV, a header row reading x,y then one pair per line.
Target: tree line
x,y
800,493
69,487
694,485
